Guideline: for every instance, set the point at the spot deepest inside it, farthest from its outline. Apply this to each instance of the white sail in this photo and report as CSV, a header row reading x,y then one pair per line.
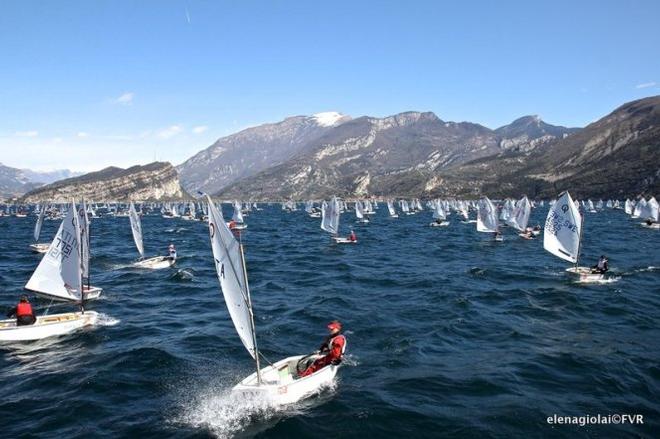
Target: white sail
x,y
359,210
330,216
390,208
83,222
520,215
59,272
487,216
136,228
563,228
40,221
238,215
438,213
650,210
231,274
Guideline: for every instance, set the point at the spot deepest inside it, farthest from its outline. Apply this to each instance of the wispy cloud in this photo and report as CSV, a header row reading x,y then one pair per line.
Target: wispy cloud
x,y
32,133
82,134
199,129
169,132
187,15
646,85
125,99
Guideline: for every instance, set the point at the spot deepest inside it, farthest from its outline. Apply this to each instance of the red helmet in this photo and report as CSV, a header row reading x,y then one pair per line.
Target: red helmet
x,y
334,325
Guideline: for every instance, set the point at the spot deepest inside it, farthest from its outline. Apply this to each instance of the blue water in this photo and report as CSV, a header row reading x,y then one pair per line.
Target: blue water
x,y
449,334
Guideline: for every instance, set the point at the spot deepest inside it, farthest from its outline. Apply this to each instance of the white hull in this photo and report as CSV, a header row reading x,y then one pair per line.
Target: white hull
x,y
339,240
442,224
239,227
281,385
39,248
655,226
363,221
394,216
155,263
315,215
585,275
525,236
46,326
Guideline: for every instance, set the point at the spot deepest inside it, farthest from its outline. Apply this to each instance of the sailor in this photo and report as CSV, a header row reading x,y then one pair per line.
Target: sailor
x,y
601,266
438,221
333,348
232,224
171,251
352,237
23,312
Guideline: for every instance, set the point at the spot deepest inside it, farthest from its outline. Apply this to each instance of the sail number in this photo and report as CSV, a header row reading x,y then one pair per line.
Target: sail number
x,y
556,222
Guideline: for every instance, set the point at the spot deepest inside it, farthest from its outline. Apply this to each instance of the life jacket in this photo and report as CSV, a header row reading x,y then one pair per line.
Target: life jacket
x,y
601,263
23,309
340,340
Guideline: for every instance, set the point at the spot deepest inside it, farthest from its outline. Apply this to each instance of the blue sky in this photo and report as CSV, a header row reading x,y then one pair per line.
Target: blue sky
x,y
86,84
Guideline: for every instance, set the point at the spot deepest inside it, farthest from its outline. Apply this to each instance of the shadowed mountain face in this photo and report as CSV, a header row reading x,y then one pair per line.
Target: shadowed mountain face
x,y
619,155
388,156
155,181
14,182
252,150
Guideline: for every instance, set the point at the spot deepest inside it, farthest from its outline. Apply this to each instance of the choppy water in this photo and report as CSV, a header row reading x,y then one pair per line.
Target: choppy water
x,y
449,334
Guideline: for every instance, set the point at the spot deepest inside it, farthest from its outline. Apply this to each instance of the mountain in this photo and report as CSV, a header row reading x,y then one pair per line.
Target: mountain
x,y
14,182
386,156
47,177
155,181
252,150
619,155
528,132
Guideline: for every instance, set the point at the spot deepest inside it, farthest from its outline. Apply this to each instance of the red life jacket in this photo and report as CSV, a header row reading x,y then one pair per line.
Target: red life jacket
x,y
337,346
23,309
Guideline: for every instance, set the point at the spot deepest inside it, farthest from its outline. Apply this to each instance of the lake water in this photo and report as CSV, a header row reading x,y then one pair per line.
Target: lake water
x,y
449,333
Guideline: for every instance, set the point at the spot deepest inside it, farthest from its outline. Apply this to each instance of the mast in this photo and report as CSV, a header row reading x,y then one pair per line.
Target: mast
x,y
249,304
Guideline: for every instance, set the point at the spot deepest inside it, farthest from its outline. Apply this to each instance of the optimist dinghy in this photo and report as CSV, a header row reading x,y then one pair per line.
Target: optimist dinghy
x,y
563,237
49,279
278,383
58,276
155,263
487,219
330,213
439,216
37,247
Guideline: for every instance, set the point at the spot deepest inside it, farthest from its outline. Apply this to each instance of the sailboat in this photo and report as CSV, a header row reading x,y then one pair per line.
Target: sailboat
x,y
46,280
487,219
237,218
650,214
519,218
330,213
563,236
154,263
278,383
58,276
360,213
90,291
39,247
391,209
439,216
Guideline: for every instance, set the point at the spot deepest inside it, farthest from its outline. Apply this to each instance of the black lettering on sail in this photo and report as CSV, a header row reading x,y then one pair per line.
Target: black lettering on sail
x,y
222,270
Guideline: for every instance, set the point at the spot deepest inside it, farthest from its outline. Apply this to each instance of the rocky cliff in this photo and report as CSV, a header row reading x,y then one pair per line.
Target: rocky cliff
x,y
155,181
386,156
252,150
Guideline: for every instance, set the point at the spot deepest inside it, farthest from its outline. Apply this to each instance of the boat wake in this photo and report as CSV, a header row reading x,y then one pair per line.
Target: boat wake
x,y
225,415
609,280
106,320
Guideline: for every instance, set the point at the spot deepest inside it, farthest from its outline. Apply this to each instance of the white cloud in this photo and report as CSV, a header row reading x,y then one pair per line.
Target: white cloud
x,y
645,85
32,133
200,129
125,99
82,134
169,132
